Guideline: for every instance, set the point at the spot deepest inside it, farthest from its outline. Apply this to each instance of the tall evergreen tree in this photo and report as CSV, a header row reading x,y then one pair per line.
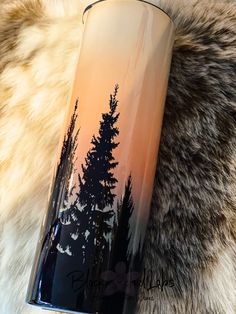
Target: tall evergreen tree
x,y
89,217
123,234
98,181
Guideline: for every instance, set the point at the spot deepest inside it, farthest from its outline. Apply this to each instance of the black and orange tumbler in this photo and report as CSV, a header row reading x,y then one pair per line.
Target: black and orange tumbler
x,y
89,256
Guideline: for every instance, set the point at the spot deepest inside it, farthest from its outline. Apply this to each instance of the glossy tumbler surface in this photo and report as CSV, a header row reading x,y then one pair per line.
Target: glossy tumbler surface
x,y
89,255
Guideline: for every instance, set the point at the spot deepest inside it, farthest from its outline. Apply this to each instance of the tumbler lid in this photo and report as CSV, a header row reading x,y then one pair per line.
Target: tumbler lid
x,y
147,2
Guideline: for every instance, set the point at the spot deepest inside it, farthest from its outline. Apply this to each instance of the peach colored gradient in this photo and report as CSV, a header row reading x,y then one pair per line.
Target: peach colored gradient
x,y
129,43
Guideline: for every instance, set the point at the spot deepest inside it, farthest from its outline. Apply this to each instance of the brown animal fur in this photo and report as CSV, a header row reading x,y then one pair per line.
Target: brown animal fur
x,y
192,232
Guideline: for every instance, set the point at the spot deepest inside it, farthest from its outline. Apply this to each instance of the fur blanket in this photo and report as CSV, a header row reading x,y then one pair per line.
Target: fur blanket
x,y
192,232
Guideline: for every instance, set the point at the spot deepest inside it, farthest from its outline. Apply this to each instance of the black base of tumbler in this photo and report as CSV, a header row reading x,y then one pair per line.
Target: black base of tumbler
x,y
50,307
116,304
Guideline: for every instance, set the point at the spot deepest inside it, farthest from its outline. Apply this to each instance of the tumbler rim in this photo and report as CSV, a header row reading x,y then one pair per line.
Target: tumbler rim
x,y
144,1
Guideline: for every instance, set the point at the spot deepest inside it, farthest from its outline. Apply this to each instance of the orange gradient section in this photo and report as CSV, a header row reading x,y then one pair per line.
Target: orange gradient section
x,y
132,49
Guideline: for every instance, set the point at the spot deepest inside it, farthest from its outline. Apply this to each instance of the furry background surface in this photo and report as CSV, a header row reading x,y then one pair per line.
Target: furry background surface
x,y
192,231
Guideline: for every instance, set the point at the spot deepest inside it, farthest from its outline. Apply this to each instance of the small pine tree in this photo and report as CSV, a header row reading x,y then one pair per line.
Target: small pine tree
x,y
59,196
60,189
60,192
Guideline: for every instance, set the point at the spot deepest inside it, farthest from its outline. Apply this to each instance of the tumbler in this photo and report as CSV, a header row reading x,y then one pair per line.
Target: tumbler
x,y
89,255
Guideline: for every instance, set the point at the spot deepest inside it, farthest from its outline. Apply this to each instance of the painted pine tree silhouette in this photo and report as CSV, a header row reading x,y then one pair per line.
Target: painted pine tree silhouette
x,y
60,193
121,256
97,181
59,197
65,166
89,217
123,235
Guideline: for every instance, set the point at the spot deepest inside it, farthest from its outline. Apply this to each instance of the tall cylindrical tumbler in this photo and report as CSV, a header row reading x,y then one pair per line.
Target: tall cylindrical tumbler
x,y
89,254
